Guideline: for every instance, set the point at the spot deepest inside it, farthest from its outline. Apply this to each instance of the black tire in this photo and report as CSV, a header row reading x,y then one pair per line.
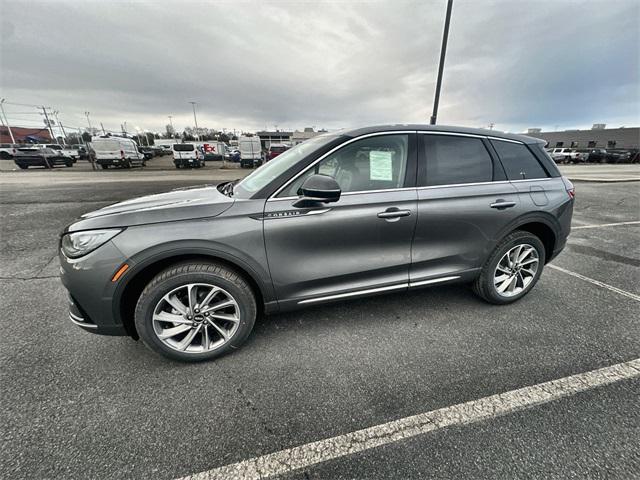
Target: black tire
x,y
22,166
126,164
68,164
5,155
484,287
183,274
104,167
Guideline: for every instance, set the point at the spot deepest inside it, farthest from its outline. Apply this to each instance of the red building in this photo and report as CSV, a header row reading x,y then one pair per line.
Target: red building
x,y
25,135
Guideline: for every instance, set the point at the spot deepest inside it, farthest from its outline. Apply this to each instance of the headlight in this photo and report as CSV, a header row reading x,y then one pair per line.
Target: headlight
x,y
77,244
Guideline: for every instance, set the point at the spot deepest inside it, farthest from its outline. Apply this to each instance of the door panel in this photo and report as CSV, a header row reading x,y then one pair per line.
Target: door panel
x,y
458,227
339,247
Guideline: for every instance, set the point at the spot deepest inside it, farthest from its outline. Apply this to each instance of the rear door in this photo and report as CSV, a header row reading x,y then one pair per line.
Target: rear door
x,y
464,203
540,189
360,244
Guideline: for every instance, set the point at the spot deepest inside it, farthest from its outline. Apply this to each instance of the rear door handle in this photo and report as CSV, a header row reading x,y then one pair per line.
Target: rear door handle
x,y
394,213
500,204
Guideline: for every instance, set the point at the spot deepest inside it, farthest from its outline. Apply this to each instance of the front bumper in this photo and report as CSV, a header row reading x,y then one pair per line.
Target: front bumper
x,y
91,291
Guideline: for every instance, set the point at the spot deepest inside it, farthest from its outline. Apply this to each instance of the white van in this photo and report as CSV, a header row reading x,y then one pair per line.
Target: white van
x,y
250,151
187,155
117,151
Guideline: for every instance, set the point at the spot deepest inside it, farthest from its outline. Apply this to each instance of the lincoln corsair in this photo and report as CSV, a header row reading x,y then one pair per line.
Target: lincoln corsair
x,y
342,215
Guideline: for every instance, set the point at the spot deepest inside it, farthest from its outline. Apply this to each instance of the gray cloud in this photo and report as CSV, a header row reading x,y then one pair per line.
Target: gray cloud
x,y
332,64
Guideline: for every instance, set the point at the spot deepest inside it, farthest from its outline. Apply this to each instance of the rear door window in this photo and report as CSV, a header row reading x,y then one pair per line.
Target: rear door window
x,y
452,160
183,147
518,161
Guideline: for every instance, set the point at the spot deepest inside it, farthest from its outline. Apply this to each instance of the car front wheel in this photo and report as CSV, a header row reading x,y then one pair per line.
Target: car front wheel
x,y
512,269
195,311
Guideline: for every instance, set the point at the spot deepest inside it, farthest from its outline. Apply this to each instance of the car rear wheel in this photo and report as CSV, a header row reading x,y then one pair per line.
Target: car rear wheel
x,y
195,311
104,167
512,269
22,166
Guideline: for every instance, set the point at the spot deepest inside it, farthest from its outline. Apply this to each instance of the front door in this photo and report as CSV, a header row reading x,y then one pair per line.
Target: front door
x,y
358,245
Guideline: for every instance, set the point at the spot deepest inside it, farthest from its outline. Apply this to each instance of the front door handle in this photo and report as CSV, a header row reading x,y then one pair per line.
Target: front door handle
x,y
500,204
394,214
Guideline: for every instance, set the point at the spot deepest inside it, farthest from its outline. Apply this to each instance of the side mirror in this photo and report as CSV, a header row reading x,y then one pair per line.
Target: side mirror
x,y
318,189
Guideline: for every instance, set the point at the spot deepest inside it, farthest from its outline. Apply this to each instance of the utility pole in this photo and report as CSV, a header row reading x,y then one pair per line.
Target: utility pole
x,y
89,122
64,134
193,104
443,51
6,120
173,132
48,122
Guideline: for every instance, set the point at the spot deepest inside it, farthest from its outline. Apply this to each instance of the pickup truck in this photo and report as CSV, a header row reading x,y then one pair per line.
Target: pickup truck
x,y
63,149
568,155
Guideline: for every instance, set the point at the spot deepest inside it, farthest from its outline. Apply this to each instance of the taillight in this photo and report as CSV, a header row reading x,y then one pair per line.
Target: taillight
x,y
571,190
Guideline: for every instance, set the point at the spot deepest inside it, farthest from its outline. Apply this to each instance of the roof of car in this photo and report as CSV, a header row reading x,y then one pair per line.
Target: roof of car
x,y
440,128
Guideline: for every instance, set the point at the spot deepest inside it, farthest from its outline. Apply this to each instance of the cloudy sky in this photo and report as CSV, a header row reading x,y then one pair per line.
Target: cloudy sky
x,y
256,64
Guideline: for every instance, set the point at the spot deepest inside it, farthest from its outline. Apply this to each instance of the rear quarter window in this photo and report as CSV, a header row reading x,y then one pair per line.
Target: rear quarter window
x,y
518,161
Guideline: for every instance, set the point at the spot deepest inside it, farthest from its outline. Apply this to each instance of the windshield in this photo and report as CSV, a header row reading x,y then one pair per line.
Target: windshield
x,y
183,147
261,177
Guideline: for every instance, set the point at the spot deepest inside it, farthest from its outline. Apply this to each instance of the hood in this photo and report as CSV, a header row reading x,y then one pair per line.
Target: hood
x,y
180,204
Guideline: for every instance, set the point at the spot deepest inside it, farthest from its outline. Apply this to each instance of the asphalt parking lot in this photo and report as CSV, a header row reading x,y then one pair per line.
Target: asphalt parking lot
x,y
77,405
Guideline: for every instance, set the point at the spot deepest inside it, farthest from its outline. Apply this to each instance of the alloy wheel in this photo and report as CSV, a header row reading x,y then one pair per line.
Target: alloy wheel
x,y
196,318
516,270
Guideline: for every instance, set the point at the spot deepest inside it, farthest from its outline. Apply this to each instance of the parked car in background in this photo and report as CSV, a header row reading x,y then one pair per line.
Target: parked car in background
x,y
250,152
26,157
568,155
8,150
276,149
187,155
339,216
147,152
65,150
597,155
81,151
618,156
113,151
232,154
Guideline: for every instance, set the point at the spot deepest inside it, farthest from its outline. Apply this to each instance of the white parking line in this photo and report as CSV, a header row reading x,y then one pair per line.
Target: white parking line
x,y
285,461
597,282
605,225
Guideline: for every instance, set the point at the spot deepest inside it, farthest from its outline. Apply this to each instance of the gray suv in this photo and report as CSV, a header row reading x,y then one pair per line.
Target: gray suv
x,y
342,215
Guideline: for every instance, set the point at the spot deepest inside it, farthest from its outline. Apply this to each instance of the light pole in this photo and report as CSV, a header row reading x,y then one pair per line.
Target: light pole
x,y
193,104
171,123
443,51
13,140
89,122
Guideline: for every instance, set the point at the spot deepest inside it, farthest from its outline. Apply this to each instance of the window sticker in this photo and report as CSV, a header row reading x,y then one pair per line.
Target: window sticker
x,y
380,165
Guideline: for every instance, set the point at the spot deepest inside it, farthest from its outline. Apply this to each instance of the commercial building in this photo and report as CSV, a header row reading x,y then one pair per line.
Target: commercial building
x,y
598,137
299,137
25,135
276,136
